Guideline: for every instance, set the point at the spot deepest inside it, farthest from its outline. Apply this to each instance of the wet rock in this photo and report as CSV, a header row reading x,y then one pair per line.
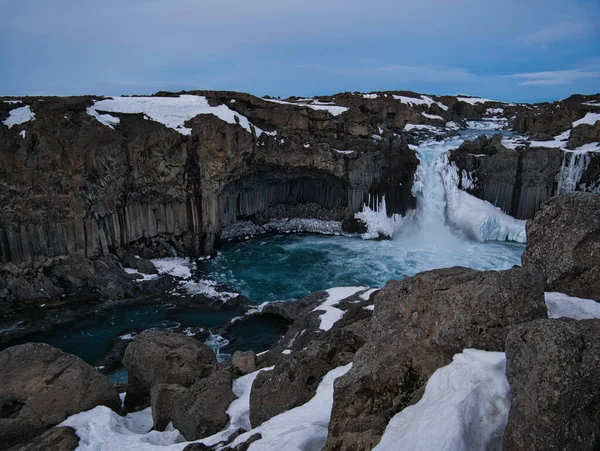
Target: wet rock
x,y
419,323
140,264
42,386
56,439
554,375
245,445
563,242
201,412
353,225
243,362
162,399
156,357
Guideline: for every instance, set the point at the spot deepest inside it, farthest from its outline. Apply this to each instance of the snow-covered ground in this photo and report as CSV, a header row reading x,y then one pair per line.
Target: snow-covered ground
x,y
18,116
170,111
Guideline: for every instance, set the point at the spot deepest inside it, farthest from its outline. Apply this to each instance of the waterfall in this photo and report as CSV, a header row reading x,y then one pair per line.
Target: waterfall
x,y
571,171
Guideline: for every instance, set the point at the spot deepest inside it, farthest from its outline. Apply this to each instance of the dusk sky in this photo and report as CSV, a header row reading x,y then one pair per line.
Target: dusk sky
x,y
512,50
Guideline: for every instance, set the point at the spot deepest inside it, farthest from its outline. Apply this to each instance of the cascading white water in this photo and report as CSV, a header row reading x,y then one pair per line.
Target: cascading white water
x,y
573,166
428,185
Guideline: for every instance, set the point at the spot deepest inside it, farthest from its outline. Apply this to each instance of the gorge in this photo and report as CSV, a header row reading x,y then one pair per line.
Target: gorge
x,y
194,212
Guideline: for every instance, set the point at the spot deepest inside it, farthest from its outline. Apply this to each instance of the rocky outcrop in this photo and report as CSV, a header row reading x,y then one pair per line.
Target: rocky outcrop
x,y
518,181
201,411
306,353
554,374
547,120
418,325
56,439
155,357
564,244
42,386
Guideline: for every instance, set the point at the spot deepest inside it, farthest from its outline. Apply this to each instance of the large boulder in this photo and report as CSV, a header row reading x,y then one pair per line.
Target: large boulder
x,y
563,242
163,397
419,323
42,386
553,370
202,410
155,357
243,362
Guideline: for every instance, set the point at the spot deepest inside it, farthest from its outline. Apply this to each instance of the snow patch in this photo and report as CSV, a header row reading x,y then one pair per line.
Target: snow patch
x,y
332,313
589,119
369,96
172,112
344,152
561,305
18,116
367,294
302,428
22,134
433,116
474,100
423,100
464,408
175,266
334,110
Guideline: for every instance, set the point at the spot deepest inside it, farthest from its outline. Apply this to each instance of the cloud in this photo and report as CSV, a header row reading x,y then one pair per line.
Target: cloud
x,y
557,32
557,77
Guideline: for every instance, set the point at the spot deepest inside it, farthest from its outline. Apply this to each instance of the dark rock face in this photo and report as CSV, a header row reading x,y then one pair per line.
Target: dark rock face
x,y
517,181
243,362
42,386
202,410
554,374
156,357
162,399
56,439
563,242
293,382
148,188
418,325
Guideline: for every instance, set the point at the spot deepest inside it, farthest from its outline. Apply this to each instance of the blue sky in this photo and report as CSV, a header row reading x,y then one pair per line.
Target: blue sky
x,y
513,50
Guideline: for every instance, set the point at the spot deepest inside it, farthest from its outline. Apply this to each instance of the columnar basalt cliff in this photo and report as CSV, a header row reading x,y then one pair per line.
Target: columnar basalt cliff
x,y
83,177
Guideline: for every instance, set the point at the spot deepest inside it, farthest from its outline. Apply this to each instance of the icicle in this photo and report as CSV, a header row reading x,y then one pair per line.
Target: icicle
x,y
573,166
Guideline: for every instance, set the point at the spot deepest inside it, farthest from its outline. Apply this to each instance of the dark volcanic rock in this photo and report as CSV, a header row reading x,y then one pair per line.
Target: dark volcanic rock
x,y
310,354
292,383
563,242
418,325
41,386
156,357
162,399
243,362
202,410
56,439
554,374
517,181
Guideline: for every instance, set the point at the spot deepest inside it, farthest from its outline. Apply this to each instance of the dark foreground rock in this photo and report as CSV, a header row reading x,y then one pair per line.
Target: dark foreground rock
x,y
42,386
418,325
155,357
201,411
554,373
163,397
56,439
563,242
305,354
